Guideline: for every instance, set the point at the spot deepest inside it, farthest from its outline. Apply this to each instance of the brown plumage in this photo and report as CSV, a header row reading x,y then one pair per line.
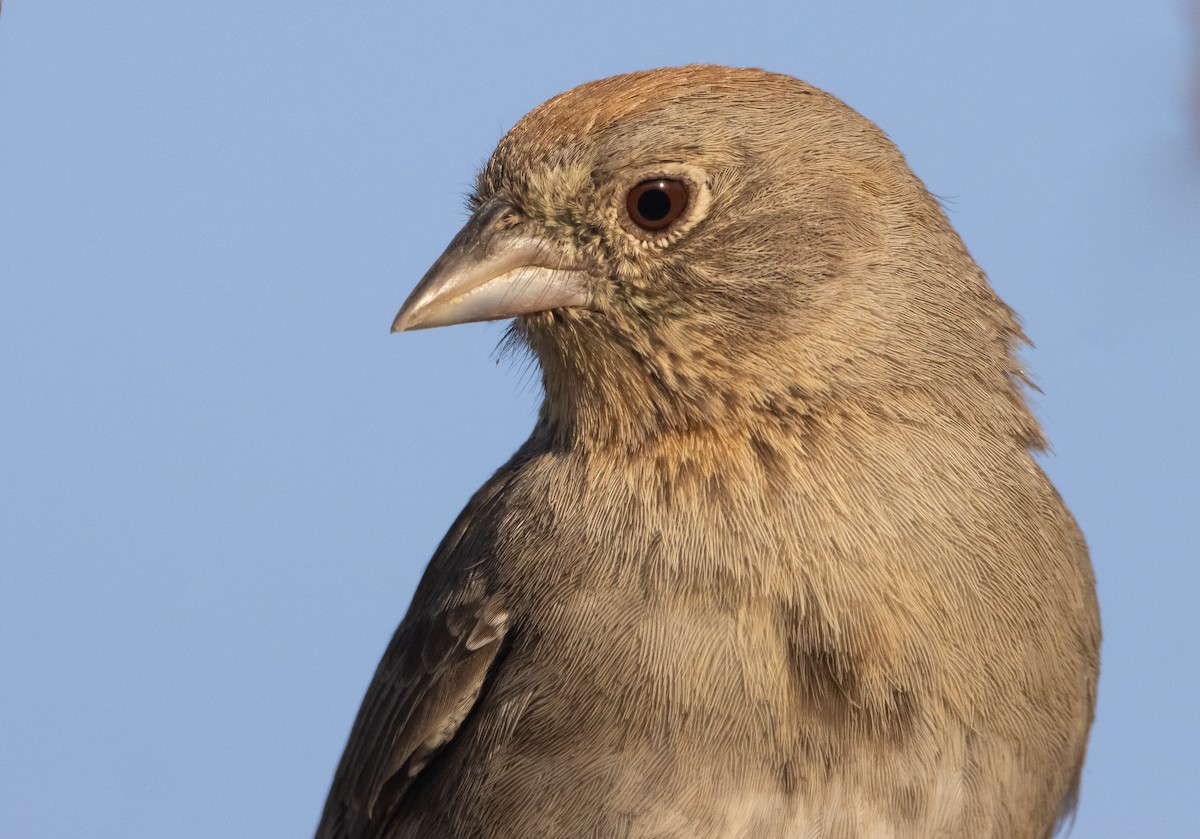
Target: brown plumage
x,y
777,560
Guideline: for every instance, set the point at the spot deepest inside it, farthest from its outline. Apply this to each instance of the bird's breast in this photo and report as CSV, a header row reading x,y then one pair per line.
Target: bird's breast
x,y
761,647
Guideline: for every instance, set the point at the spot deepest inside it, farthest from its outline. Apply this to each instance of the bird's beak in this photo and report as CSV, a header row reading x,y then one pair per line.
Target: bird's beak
x,y
493,269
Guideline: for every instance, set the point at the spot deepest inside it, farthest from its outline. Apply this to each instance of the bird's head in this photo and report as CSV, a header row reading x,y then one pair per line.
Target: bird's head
x,y
704,246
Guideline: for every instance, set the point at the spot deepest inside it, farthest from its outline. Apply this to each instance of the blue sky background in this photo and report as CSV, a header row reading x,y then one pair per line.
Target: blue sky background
x,y
220,476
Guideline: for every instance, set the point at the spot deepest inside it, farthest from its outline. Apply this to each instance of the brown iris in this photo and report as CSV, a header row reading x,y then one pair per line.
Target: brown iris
x,y
654,204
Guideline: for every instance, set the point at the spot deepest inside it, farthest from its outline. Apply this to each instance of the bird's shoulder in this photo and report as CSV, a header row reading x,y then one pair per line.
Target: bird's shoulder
x,y
432,673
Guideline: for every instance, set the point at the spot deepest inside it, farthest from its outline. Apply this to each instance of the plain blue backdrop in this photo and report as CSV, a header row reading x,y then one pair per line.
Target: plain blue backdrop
x,y
220,476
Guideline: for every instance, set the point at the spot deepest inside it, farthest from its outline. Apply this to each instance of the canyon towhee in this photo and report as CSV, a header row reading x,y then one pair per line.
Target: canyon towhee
x,y
777,559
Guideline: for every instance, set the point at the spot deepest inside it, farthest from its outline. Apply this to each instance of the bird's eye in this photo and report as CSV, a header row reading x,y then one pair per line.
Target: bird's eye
x,y
654,204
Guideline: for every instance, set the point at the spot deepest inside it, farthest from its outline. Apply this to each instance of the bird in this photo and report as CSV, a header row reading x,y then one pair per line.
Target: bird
x,y
778,558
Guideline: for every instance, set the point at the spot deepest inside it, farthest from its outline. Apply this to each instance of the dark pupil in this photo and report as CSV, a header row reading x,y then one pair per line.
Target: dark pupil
x,y
654,204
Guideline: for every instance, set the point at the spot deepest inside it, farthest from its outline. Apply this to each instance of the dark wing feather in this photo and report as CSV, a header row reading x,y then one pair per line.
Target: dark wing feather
x,y
426,684
431,676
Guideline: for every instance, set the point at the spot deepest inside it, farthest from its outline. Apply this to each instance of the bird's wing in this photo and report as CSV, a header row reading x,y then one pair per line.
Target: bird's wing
x,y
428,681
430,677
